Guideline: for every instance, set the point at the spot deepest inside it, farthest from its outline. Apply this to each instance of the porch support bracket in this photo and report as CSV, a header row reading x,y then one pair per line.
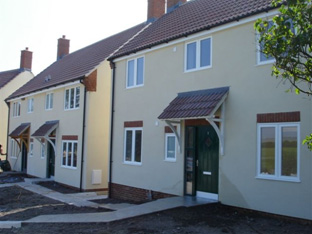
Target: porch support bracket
x,y
47,139
220,131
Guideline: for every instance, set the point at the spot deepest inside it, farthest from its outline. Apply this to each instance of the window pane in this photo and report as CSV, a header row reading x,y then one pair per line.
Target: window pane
x,y
171,147
64,154
130,75
289,151
51,101
268,150
72,98
75,155
205,51
69,158
47,102
138,142
128,145
67,99
140,69
191,56
77,97
264,57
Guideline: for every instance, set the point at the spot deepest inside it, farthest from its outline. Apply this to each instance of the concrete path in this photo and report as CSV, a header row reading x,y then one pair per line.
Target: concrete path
x,y
121,211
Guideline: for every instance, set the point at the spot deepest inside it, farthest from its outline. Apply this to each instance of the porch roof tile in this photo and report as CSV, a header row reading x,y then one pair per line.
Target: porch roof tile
x,y
195,104
46,128
17,132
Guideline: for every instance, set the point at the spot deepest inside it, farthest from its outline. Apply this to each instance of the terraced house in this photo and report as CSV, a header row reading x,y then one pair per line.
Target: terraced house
x,y
197,113
9,82
59,121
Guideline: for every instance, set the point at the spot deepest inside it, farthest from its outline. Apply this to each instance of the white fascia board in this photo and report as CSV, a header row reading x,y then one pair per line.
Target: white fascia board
x,y
203,33
44,91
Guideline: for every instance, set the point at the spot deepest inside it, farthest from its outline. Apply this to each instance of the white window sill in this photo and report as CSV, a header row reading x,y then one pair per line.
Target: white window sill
x,y
268,62
71,168
170,160
134,86
132,163
197,69
282,179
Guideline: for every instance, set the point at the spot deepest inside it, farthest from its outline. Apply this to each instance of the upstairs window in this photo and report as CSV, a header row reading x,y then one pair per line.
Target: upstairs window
x,y
198,55
30,105
49,101
72,98
135,72
16,109
262,57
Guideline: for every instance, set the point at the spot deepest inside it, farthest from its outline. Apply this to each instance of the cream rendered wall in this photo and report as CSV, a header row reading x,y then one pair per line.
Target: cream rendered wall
x,y
252,91
98,129
5,92
70,123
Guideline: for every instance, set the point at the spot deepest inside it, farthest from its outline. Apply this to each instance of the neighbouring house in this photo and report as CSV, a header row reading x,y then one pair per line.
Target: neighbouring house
x,y
197,113
10,81
60,120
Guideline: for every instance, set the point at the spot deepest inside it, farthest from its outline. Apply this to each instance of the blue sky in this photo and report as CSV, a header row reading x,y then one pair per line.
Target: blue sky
x,y
37,24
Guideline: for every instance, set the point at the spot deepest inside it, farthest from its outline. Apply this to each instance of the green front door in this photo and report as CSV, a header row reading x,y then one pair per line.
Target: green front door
x,y
207,160
202,160
51,160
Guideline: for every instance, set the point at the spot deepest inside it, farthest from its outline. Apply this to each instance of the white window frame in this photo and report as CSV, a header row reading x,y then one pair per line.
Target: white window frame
x,y
14,149
75,98
16,112
135,72
198,55
278,154
71,166
167,135
31,149
132,161
259,53
43,150
49,101
30,105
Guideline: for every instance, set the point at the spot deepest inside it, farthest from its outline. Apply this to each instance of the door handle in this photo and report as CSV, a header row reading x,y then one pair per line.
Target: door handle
x,y
207,172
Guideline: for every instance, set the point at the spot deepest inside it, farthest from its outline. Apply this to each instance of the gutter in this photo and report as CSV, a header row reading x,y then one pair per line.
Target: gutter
x,y
83,133
113,67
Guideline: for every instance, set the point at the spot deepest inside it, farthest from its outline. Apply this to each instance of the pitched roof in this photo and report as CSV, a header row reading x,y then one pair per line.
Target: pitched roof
x,y
17,132
76,65
46,128
195,104
7,76
192,17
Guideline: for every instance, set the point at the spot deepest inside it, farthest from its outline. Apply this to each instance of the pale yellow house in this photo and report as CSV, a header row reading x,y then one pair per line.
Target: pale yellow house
x,y
10,81
197,113
60,121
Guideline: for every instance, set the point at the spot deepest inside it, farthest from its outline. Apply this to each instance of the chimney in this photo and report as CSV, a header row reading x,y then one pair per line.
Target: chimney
x,y
173,4
26,60
62,47
155,9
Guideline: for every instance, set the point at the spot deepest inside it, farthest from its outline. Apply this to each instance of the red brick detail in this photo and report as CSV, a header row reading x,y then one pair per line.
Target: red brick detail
x,y
196,122
62,47
70,138
156,8
133,124
169,130
279,117
26,59
124,192
90,81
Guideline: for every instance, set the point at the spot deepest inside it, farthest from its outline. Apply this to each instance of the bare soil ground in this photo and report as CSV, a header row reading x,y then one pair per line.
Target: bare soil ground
x,y
19,204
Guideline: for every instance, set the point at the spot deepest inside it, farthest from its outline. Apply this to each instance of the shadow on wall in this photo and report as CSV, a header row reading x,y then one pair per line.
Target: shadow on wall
x,y
230,194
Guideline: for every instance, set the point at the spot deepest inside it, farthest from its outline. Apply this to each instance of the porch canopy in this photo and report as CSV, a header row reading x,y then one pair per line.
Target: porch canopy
x,y
21,133
44,132
200,104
